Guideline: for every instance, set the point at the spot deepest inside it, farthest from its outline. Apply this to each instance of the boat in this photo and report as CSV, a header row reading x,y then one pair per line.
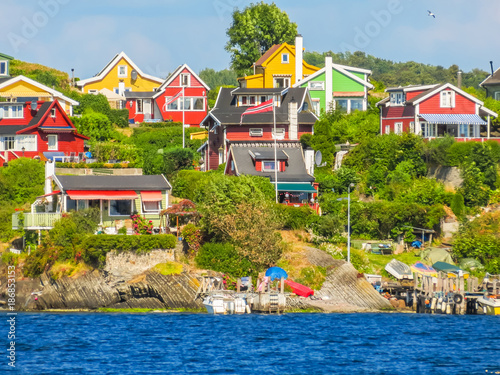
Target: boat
x,y
399,270
299,289
225,304
423,269
490,304
450,269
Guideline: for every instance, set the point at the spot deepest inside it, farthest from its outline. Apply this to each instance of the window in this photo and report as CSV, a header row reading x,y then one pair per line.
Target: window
x,y
428,130
463,130
268,165
174,106
95,92
138,106
285,58
70,204
341,104
398,128
316,85
52,142
187,104
11,111
9,143
151,207
412,127
397,98
497,95
252,100
53,113
280,133
243,100
447,99
120,208
26,141
199,104
122,70
263,99
256,132
3,68
316,106
356,105
185,79
281,82
388,129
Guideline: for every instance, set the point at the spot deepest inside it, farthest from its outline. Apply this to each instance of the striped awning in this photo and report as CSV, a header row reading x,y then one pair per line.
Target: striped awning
x,y
453,119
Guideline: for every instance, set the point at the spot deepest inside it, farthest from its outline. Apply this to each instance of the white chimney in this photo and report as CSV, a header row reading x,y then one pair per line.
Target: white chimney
x,y
299,43
50,168
293,129
328,82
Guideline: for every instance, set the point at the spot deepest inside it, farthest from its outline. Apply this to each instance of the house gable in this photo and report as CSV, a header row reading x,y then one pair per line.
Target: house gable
x,y
5,65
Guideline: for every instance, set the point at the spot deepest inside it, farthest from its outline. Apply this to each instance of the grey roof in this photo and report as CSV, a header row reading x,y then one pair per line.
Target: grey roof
x,y
295,167
41,112
492,79
248,91
11,129
266,154
140,94
228,113
415,98
5,79
153,182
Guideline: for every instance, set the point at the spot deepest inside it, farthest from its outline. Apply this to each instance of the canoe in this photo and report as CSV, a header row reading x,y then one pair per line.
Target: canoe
x,y
450,269
399,270
299,289
423,269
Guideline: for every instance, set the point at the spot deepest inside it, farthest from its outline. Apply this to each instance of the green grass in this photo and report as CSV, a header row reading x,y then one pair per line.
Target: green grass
x,y
168,268
378,262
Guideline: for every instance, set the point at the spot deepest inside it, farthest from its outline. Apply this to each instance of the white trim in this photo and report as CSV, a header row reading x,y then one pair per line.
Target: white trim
x,y
178,71
53,148
287,58
120,200
122,75
111,65
148,212
340,69
256,132
448,86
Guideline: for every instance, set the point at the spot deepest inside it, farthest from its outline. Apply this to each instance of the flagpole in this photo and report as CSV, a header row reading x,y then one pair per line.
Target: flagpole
x,y
275,154
183,105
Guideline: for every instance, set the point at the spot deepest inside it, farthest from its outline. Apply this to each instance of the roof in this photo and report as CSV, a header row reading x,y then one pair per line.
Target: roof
x,y
268,54
110,65
6,57
11,129
492,79
227,113
152,182
140,94
341,69
176,72
416,98
295,170
40,113
255,91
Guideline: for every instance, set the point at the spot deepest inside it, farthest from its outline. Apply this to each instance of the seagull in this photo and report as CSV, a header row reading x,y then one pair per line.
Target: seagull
x,y
431,14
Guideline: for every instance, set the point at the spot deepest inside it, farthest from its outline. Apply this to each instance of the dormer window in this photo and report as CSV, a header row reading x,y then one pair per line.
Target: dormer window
x,y
285,58
53,113
397,98
269,166
447,99
185,79
252,100
3,68
122,71
243,100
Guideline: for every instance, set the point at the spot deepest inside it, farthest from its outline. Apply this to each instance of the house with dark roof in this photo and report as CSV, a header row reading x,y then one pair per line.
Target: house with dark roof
x,y
182,97
292,114
492,84
116,197
433,111
36,129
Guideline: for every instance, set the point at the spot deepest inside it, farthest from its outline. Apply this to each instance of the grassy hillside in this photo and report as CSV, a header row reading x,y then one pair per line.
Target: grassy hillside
x,y
40,73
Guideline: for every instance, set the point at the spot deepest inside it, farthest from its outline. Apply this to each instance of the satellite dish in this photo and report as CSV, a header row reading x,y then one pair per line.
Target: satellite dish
x,y
133,75
34,105
318,158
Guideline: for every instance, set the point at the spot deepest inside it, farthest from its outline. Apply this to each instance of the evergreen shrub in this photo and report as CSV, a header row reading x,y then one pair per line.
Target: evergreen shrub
x,y
223,257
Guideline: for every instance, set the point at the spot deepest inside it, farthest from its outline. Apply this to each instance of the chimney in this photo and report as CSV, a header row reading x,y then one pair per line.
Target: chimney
x,y
293,130
50,168
491,65
328,82
298,58
459,79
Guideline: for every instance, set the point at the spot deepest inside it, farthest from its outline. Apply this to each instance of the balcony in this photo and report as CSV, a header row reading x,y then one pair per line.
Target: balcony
x,y
35,221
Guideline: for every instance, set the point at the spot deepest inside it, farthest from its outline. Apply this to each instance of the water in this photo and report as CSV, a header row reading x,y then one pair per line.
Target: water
x,y
87,343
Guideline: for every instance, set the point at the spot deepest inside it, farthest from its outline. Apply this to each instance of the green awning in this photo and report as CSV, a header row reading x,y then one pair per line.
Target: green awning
x,y
296,187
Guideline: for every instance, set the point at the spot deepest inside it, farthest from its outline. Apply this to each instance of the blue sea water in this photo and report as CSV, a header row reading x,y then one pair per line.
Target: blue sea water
x,y
165,343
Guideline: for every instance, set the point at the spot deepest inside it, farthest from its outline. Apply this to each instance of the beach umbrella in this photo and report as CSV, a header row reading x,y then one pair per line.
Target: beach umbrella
x,y
276,273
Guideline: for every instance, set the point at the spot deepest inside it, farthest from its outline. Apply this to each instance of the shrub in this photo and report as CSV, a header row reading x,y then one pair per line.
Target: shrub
x,y
223,257
141,225
294,217
192,235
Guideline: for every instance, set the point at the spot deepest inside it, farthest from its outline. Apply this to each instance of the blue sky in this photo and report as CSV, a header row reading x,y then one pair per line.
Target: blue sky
x,y
159,35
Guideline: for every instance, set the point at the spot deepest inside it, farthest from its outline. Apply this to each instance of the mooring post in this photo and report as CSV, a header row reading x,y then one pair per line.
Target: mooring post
x,y
282,285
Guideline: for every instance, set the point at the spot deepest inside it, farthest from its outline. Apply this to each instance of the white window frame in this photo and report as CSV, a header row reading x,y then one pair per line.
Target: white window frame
x,y
240,100
387,129
316,106
185,77
94,91
398,128
124,74
256,132
428,130
139,108
53,113
497,95
280,133
56,143
264,169
285,58
447,99
7,141
7,112
254,98
397,98
316,85
146,211
26,141
412,127
131,207
5,68
286,82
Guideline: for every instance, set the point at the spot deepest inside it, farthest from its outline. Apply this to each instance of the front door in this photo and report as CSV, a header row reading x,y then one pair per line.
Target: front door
x,y
147,109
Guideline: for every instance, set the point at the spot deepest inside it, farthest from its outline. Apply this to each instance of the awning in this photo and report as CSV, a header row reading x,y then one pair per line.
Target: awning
x,y
296,187
151,196
453,119
102,194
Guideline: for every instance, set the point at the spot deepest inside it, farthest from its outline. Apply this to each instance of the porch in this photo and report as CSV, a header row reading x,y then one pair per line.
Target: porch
x,y
462,127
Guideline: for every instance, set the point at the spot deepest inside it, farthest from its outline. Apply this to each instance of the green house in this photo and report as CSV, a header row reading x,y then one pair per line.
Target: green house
x,y
116,197
4,65
338,87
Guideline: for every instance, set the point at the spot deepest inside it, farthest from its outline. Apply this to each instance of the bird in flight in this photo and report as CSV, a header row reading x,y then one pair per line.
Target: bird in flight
x,y
431,14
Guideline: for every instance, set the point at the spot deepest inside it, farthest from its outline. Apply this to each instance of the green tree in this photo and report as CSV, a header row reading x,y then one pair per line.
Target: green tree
x,y
96,126
225,77
254,30
21,181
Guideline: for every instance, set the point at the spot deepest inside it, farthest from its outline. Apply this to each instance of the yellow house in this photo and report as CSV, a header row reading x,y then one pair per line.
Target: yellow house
x,y
120,75
281,66
23,89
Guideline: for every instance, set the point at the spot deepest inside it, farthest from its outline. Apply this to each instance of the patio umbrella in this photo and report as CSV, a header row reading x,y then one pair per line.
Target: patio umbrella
x,y
276,273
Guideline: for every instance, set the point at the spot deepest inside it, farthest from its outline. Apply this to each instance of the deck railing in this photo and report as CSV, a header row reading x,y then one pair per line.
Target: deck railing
x,y
42,220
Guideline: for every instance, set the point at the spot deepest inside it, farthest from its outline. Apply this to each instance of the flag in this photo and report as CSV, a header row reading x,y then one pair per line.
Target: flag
x,y
261,108
173,98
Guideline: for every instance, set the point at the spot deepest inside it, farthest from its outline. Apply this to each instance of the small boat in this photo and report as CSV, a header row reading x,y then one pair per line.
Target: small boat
x,y
299,289
225,304
423,269
450,269
490,304
399,270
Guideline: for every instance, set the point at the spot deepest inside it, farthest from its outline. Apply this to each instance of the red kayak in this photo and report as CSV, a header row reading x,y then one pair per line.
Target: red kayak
x,y
299,289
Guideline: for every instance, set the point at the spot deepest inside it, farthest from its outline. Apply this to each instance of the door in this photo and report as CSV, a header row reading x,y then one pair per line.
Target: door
x,y
147,109
121,88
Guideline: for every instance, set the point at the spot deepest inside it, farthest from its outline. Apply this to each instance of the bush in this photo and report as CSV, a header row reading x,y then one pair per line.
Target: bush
x,y
192,235
223,257
294,217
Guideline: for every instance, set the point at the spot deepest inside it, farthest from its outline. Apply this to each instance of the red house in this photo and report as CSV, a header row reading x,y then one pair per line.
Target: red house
x,y
433,111
181,98
33,129
294,117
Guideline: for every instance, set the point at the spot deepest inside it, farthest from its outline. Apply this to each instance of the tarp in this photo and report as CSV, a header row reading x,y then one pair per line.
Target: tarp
x,y
470,264
276,273
449,269
424,269
299,289
435,254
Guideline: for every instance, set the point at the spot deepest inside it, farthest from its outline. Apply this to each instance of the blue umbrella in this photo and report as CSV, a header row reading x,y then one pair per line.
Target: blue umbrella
x,y
276,273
